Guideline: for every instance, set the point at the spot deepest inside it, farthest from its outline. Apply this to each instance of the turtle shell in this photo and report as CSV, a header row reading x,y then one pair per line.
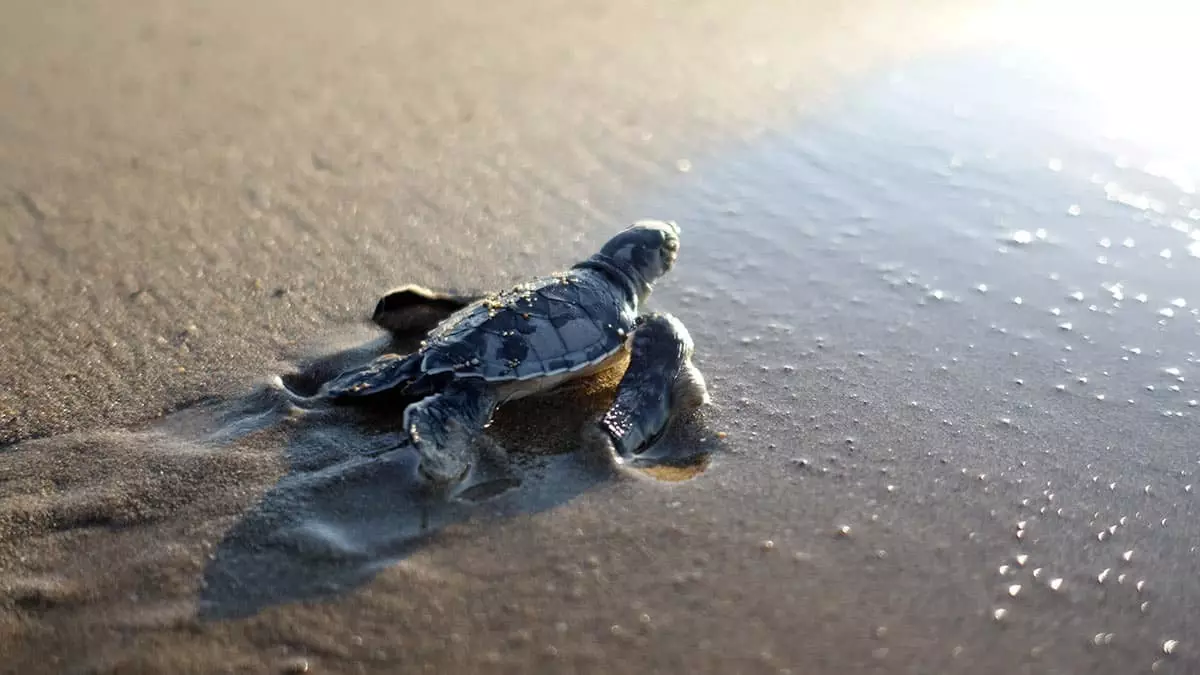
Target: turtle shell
x,y
552,325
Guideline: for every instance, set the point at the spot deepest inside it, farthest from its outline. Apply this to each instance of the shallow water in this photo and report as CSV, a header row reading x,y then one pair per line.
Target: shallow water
x,y
949,329
965,324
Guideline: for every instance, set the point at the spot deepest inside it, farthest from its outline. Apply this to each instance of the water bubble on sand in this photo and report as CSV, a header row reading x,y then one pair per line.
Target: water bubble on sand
x,y
1014,590
683,165
1021,237
1056,583
1103,576
1142,298
1169,647
1003,570
1127,556
999,614
1077,296
1165,254
1065,326
1017,300
1073,210
982,288
1166,312
1172,371
1054,164
1101,639
1129,242
1179,303
1022,559
1140,585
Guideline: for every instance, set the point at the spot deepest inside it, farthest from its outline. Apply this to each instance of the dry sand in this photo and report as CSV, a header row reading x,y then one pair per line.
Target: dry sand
x,y
197,196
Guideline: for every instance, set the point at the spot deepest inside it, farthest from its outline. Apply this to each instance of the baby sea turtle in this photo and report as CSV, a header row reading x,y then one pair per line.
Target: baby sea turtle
x,y
531,339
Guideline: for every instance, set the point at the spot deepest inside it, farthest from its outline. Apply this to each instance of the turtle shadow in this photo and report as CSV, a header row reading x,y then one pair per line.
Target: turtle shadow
x,y
348,508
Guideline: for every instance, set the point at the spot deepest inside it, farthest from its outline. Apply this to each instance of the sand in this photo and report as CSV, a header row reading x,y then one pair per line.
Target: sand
x,y
198,197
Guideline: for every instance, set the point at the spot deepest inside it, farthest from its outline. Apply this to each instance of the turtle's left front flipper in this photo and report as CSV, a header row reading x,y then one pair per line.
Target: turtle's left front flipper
x,y
414,309
660,383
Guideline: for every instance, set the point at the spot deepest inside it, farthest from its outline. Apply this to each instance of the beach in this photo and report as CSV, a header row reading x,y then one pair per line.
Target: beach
x,y
946,314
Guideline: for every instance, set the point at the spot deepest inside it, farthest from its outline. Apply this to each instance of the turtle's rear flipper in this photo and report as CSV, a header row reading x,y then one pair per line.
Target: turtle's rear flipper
x,y
390,373
414,309
659,384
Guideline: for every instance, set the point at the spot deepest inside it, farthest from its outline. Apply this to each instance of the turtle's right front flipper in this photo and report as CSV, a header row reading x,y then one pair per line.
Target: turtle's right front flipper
x,y
414,309
660,383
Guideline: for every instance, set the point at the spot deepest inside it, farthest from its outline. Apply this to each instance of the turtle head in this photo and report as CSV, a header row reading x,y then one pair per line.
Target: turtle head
x,y
643,252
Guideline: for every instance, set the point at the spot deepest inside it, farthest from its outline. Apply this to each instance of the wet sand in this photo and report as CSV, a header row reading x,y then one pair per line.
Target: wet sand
x,y
911,471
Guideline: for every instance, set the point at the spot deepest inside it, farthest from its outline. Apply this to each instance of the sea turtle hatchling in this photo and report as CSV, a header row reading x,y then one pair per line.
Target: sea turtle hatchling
x,y
531,339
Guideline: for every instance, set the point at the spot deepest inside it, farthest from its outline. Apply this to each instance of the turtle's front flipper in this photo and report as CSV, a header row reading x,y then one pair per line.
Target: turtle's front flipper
x,y
414,309
660,383
444,426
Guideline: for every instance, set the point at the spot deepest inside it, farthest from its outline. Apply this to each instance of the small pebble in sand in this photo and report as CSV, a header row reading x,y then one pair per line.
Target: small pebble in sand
x,y
296,665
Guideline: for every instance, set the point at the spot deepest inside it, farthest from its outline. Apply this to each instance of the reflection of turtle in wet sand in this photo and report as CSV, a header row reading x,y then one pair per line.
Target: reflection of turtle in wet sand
x,y
531,339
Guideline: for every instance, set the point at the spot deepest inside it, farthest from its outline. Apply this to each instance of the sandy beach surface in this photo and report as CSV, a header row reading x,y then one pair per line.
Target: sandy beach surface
x,y
940,261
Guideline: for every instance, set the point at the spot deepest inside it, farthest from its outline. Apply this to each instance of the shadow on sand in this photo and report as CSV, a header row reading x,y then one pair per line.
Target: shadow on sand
x,y
350,504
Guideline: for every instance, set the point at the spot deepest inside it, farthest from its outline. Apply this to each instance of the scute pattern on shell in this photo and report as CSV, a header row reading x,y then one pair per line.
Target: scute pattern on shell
x,y
554,324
